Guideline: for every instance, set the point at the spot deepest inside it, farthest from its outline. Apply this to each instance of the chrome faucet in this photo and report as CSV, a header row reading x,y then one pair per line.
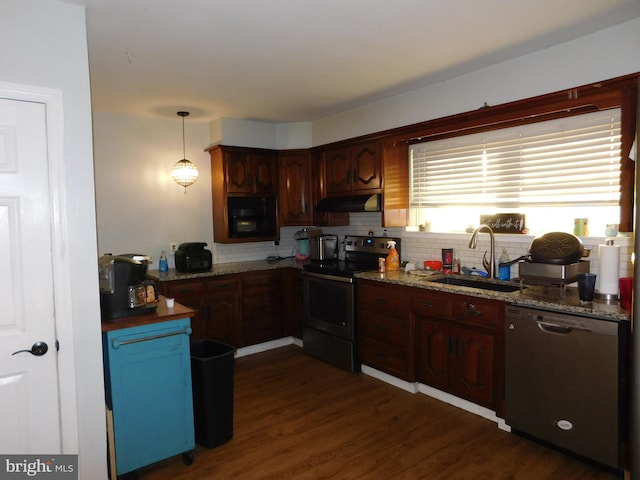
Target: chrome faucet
x,y
489,265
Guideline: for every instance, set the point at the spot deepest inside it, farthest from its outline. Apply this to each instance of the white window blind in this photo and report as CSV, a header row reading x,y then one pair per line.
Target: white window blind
x,y
565,162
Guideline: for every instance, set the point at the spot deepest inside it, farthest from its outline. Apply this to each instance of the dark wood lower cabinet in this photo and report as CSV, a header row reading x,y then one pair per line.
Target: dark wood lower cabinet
x,y
459,360
239,309
448,341
262,306
385,329
458,346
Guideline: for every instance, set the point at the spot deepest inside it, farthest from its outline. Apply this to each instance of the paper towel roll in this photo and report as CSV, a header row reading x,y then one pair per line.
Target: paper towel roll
x,y
607,280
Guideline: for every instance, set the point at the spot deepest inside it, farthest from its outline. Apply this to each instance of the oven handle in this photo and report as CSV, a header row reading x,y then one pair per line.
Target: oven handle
x,y
332,278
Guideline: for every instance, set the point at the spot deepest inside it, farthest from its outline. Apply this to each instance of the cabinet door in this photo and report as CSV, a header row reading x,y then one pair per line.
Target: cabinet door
x,y
472,372
148,374
190,294
264,172
433,352
238,172
295,203
366,164
338,170
262,307
222,304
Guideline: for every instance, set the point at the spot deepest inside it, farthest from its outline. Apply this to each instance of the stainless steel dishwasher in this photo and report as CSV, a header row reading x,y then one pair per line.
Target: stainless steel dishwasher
x,y
565,381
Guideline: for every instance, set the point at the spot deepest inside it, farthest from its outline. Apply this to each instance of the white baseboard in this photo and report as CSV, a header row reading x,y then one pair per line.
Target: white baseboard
x,y
263,347
415,387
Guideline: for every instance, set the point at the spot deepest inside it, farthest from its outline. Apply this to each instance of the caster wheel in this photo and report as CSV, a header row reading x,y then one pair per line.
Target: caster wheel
x,y
188,458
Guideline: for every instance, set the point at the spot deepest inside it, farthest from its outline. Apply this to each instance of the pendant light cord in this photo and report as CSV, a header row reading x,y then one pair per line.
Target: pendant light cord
x,y
183,114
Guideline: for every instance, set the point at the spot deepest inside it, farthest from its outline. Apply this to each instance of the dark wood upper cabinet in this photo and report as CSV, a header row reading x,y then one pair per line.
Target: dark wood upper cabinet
x,y
250,170
296,191
354,169
244,179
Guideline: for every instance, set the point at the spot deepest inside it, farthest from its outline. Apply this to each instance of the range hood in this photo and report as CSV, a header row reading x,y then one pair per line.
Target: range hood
x,y
354,203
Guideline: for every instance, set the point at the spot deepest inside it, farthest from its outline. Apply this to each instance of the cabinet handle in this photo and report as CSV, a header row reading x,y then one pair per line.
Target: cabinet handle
x,y
355,175
471,310
348,178
257,180
249,179
381,300
426,303
117,343
222,285
380,328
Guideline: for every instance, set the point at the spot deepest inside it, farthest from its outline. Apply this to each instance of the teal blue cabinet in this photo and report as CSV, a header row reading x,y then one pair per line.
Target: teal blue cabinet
x,y
148,386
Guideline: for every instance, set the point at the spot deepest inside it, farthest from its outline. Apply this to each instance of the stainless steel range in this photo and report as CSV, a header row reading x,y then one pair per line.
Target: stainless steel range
x,y
329,332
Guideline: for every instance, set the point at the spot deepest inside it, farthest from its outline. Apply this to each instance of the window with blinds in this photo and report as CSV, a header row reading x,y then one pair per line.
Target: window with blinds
x,y
572,161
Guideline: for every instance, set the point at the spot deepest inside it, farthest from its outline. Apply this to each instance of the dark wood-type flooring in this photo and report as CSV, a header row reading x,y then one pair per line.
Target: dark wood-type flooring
x,y
298,418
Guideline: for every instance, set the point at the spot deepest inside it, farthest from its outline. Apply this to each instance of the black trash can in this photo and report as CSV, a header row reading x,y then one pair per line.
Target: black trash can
x,y
212,379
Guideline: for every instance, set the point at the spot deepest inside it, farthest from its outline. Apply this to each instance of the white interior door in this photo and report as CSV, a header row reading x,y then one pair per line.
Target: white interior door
x,y
29,392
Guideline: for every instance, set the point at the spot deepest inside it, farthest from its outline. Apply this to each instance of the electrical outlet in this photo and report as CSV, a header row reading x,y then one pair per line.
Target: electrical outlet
x,y
276,243
173,246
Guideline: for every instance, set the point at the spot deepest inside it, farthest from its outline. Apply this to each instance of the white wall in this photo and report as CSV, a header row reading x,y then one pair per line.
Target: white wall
x,y
140,209
564,66
44,44
249,133
606,54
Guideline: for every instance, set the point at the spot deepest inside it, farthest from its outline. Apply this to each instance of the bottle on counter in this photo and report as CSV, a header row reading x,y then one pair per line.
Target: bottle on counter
x,y
163,265
504,271
393,259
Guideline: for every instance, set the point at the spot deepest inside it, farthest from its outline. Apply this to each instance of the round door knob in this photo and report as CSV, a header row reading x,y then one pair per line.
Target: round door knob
x,y
38,349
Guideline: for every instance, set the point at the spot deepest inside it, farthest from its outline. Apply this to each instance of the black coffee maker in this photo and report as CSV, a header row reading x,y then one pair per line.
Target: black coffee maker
x,y
124,292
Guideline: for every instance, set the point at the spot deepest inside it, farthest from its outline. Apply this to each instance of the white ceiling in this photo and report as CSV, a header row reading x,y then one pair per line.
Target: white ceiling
x,y
301,60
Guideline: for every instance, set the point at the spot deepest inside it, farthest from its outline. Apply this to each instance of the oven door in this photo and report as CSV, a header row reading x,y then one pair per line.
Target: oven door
x,y
329,304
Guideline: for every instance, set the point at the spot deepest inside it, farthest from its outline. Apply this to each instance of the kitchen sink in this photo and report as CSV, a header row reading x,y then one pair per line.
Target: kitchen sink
x,y
477,283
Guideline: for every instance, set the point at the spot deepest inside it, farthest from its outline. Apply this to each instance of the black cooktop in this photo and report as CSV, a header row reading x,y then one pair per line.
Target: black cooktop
x,y
339,268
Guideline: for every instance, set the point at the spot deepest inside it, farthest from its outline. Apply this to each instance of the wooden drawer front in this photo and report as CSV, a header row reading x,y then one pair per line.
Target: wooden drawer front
x,y
478,312
183,289
261,283
386,329
223,285
382,300
262,306
430,305
385,357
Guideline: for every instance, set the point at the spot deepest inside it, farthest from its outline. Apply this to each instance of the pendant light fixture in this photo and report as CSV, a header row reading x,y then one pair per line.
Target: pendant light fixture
x,y
184,172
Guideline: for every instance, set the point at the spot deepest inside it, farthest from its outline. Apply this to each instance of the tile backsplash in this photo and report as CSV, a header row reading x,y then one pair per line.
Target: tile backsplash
x,y
418,246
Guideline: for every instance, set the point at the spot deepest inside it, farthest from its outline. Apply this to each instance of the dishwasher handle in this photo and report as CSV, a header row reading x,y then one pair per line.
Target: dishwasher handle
x,y
117,343
554,328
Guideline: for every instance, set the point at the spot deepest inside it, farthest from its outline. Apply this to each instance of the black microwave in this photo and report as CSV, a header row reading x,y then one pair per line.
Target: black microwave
x,y
252,217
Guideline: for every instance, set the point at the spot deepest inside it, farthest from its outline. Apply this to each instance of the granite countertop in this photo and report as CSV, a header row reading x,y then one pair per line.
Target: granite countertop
x,y
541,297
225,269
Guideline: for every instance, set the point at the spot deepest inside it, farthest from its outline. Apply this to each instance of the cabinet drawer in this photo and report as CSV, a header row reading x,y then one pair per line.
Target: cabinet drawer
x,y
183,289
222,285
387,358
266,305
384,300
261,283
478,312
431,305
386,329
